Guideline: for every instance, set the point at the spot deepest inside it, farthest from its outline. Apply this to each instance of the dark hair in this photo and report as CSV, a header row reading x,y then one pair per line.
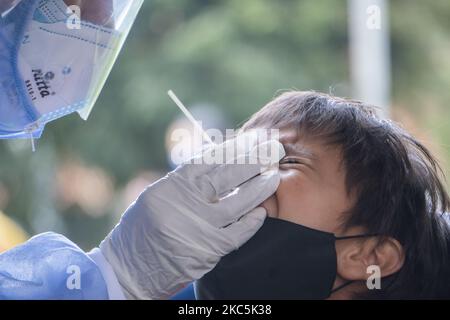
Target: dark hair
x,y
396,180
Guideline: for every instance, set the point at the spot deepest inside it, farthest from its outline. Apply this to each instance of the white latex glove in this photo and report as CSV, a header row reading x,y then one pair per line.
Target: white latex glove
x,y
180,226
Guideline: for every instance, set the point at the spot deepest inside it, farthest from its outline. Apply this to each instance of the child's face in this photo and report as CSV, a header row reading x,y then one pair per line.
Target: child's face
x,y
312,190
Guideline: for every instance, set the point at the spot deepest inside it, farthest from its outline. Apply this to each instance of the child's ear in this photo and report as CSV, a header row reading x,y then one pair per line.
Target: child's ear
x,y
355,256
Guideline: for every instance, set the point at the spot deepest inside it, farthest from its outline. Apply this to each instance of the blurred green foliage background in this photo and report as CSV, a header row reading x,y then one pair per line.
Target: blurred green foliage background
x,y
230,55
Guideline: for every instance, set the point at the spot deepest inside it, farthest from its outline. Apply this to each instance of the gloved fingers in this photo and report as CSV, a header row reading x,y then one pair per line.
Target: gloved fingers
x,y
243,229
226,177
268,153
201,163
223,179
227,152
245,198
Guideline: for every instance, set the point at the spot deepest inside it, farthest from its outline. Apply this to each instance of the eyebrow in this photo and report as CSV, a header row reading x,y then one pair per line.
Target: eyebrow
x,y
298,150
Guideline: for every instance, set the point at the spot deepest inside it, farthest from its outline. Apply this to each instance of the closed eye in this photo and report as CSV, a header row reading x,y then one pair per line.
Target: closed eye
x,y
289,160
295,163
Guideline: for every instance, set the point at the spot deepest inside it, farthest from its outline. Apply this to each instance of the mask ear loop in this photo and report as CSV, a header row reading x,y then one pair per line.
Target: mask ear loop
x,y
345,284
342,286
357,236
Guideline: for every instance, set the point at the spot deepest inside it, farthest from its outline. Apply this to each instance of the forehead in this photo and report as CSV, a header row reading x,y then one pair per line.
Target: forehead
x,y
296,143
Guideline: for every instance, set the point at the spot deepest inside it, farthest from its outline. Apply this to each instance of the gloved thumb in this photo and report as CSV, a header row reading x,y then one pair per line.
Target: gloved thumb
x,y
243,229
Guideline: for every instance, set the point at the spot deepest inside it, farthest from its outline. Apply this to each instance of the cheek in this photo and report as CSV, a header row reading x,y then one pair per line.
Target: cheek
x,y
283,193
289,194
308,201
300,199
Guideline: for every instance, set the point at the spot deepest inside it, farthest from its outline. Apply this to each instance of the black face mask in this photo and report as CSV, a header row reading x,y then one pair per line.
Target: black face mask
x,y
283,260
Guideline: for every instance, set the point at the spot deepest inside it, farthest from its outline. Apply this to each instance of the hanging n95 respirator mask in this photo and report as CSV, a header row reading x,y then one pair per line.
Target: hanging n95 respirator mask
x,y
52,63
283,260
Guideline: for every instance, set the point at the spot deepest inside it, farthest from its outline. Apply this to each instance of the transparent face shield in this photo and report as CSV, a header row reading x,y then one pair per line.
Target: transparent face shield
x,y
55,56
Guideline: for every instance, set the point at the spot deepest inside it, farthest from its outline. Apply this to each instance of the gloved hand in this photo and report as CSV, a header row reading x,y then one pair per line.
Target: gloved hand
x,y
180,226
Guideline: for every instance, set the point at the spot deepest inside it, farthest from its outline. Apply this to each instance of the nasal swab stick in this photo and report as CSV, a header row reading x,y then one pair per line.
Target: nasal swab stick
x,y
189,115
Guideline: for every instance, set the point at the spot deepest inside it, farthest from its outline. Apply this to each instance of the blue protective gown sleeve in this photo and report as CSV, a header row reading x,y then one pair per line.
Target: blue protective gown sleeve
x,y
49,266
